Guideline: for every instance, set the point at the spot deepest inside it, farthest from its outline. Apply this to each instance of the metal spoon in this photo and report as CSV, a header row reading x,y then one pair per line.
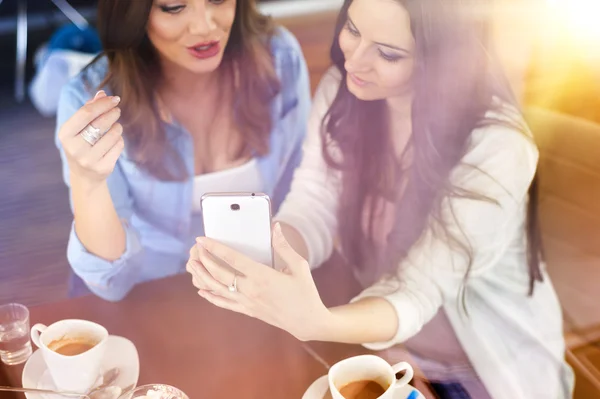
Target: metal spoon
x,y
104,393
109,377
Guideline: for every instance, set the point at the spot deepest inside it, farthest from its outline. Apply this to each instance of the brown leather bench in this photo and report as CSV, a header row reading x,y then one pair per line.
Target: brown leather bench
x,y
569,203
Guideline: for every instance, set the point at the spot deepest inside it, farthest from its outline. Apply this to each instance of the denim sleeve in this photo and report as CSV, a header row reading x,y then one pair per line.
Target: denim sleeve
x,y
295,109
109,280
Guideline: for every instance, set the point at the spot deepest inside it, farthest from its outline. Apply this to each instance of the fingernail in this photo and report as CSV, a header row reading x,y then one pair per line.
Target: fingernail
x,y
116,99
200,241
278,228
100,93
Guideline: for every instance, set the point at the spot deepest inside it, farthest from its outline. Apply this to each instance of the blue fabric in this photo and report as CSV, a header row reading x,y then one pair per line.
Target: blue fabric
x,y
68,50
70,37
157,216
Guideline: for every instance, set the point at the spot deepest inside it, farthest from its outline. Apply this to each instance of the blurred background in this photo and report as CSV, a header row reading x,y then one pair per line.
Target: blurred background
x,y
550,50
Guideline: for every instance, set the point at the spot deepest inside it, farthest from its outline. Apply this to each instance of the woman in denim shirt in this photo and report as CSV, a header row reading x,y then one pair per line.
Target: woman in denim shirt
x,y
195,96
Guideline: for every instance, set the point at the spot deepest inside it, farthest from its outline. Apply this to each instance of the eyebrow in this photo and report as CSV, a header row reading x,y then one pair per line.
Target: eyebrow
x,y
379,43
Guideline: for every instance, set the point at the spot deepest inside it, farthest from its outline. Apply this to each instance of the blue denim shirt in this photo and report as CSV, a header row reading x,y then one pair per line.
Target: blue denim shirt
x,y
157,215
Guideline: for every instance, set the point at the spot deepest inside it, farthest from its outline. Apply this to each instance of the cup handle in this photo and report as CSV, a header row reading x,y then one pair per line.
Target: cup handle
x,y
36,331
408,374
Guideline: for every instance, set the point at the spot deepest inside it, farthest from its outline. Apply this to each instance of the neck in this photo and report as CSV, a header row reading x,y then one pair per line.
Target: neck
x,y
184,84
180,91
400,119
400,108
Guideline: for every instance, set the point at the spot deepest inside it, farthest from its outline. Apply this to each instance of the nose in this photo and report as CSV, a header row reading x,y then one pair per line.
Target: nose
x,y
202,21
359,61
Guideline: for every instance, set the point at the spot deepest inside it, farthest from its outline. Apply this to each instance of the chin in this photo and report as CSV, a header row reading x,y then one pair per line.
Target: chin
x,y
205,66
362,94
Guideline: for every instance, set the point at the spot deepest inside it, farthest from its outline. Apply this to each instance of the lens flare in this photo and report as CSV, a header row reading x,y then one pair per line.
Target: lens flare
x,y
581,15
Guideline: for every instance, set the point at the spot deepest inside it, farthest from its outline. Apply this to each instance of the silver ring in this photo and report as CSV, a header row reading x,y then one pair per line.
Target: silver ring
x,y
233,286
91,134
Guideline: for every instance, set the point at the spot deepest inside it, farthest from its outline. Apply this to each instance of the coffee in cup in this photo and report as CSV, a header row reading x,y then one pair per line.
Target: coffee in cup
x,y
363,389
367,377
72,346
73,351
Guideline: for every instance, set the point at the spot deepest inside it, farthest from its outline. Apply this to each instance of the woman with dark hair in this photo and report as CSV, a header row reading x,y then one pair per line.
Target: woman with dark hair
x,y
209,95
418,162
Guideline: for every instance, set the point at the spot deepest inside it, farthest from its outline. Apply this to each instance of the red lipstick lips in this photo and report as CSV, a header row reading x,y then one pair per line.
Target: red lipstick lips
x,y
205,50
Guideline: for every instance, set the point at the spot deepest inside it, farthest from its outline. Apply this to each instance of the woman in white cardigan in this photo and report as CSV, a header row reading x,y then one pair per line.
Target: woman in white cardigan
x,y
418,161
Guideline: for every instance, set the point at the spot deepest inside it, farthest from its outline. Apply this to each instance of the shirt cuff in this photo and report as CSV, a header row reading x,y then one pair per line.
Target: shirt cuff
x,y
95,271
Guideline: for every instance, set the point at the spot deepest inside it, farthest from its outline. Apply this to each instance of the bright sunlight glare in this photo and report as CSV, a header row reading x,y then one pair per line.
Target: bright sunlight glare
x,y
583,16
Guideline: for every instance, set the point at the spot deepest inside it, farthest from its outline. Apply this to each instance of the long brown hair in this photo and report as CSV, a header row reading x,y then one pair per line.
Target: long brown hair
x,y
134,70
456,80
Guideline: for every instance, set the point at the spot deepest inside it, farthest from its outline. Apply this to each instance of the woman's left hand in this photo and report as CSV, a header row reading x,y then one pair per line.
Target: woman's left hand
x,y
287,299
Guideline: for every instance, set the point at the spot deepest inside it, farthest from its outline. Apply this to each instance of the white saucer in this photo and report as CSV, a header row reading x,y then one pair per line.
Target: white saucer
x,y
319,388
120,353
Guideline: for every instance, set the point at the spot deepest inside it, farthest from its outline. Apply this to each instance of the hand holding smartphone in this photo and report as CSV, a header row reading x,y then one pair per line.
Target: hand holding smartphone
x,y
241,221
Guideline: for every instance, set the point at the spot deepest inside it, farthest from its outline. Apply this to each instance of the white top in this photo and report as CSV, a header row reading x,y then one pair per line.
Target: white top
x,y
513,341
243,178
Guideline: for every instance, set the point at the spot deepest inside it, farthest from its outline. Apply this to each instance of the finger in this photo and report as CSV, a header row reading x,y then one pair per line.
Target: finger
x,y
223,274
190,267
105,122
284,250
99,94
87,114
219,270
236,260
193,266
212,284
199,284
107,141
194,252
223,303
193,261
108,162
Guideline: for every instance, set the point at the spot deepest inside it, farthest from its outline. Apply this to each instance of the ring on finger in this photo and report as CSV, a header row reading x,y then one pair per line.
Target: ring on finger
x,y
233,286
91,134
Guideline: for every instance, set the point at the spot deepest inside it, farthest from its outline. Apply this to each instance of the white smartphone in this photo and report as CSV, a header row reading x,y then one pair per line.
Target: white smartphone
x,y
241,221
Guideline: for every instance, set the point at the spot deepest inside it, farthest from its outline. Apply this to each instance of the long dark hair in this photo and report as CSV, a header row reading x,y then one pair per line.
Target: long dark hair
x,y
134,70
456,81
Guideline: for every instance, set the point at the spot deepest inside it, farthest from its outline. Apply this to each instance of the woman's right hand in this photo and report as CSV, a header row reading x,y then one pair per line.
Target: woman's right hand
x,y
92,164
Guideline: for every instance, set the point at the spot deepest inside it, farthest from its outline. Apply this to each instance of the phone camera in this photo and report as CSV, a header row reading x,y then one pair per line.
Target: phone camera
x,y
235,207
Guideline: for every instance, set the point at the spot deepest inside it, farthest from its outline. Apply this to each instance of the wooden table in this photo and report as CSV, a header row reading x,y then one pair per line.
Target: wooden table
x,y
205,351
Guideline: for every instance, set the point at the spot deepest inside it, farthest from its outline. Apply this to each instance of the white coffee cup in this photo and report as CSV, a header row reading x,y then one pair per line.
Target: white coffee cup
x,y
368,368
72,373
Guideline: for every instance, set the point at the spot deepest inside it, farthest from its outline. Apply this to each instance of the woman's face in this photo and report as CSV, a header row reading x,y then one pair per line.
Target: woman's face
x,y
191,34
378,47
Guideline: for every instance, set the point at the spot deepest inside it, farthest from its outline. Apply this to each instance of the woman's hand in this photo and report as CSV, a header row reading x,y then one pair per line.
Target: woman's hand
x,y
92,164
286,299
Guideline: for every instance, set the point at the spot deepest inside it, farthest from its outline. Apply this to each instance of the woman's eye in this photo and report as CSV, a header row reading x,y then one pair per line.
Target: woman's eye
x,y
172,9
352,30
390,57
